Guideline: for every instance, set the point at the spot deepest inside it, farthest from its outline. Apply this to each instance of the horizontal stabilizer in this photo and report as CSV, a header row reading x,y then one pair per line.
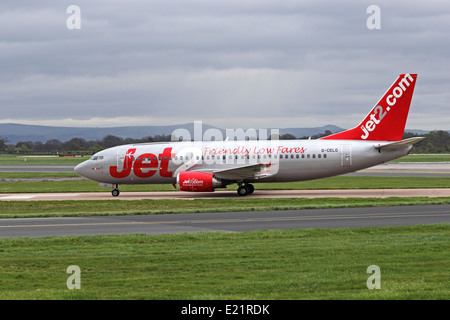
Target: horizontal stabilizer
x,y
399,144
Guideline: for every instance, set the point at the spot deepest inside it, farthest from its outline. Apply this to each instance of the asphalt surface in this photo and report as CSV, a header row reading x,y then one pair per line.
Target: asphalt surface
x,y
406,169
259,194
227,222
235,221
36,168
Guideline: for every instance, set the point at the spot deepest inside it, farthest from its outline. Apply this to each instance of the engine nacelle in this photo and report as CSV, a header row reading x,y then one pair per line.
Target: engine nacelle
x,y
196,181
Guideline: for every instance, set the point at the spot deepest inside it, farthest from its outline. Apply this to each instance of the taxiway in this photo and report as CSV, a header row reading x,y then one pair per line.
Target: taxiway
x,y
226,221
343,193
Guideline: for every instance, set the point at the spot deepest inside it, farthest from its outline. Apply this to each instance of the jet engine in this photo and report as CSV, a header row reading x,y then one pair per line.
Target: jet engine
x,y
196,181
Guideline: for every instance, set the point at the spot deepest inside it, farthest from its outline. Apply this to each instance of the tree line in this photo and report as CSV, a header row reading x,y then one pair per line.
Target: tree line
x,y
74,145
435,142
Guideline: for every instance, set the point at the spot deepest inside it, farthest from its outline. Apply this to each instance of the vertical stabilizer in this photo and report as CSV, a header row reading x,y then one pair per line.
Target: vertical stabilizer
x,y
387,120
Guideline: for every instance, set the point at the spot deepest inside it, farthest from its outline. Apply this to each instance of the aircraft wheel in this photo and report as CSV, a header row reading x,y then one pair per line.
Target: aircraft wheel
x,y
242,191
250,188
115,192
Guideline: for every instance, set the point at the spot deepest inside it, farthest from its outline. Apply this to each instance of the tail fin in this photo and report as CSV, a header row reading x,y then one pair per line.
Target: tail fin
x,y
387,120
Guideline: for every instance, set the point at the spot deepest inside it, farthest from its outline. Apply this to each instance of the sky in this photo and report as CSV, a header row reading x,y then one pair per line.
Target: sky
x,y
227,63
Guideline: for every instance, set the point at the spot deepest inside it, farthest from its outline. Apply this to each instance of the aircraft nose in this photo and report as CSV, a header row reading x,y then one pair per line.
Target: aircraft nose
x,y
81,169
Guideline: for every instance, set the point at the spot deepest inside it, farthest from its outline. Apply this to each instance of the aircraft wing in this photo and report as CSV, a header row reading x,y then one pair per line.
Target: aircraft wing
x,y
252,171
398,144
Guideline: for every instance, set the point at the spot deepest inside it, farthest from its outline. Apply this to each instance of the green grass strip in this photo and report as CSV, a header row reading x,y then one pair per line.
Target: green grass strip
x,y
31,209
275,264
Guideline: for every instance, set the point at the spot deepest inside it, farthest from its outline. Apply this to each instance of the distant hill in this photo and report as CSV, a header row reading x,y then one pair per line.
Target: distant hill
x,y
22,132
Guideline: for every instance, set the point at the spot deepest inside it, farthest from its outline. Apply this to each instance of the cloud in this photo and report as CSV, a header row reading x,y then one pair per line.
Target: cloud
x,y
231,63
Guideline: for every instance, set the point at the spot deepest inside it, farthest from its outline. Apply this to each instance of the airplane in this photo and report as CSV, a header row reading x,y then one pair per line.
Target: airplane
x,y
203,166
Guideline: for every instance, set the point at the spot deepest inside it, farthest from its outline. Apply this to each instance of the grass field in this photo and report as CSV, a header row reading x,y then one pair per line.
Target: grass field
x,y
341,182
146,206
290,264
32,209
424,158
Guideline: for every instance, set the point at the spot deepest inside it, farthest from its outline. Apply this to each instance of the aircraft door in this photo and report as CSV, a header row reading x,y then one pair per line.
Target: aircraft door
x,y
122,163
346,155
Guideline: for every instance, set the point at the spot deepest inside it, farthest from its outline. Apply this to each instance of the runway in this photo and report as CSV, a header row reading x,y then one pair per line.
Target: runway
x,y
226,222
235,221
259,194
407,169
36,168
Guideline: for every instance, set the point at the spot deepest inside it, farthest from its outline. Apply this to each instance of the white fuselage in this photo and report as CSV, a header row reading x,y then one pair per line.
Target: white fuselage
x,y
281,160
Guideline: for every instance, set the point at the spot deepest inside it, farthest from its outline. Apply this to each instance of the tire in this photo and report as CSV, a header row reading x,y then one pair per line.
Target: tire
x,y
115,192
242,191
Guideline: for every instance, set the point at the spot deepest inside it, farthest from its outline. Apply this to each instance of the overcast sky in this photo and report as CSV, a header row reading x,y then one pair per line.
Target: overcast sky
x,y
229,63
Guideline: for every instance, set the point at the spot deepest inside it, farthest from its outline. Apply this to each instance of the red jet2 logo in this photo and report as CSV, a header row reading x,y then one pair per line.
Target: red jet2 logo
x,y
391,100
138,165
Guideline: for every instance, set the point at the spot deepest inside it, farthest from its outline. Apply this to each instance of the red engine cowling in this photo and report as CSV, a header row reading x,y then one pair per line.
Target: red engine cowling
x,y
195,181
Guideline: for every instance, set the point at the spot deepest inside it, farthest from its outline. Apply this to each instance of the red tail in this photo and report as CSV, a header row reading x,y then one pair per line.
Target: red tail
x,y
387,120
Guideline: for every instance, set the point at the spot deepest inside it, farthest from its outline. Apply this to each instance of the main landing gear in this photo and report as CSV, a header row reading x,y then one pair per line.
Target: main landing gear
x,y
246,189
